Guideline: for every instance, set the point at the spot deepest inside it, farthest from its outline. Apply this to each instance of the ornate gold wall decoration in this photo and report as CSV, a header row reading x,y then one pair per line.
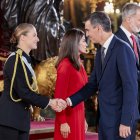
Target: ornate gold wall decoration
x,y
76,10
94,4
46,78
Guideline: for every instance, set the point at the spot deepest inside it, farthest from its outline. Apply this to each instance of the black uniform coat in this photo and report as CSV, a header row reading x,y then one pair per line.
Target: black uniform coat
x,y
17,114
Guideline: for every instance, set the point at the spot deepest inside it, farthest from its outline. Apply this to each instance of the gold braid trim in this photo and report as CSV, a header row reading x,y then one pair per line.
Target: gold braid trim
x,y
32,88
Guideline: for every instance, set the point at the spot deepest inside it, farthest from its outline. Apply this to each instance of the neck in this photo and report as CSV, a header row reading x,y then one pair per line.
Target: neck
x,y
105,37
80,60
126,26
24,48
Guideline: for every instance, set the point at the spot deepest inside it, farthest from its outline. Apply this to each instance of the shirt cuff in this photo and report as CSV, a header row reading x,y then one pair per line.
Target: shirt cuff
x,y
69,102
48,104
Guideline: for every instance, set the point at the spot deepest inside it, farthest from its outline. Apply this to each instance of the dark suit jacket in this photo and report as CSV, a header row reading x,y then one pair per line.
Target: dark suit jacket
x,y
120,34
17,114
116,83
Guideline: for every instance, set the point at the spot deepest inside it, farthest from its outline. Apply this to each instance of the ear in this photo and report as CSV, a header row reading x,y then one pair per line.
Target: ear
x,y
100,28
22,37
128,19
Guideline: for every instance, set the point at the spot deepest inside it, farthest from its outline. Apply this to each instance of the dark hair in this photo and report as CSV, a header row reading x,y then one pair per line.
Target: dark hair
x,y
100,18
69,47
21,29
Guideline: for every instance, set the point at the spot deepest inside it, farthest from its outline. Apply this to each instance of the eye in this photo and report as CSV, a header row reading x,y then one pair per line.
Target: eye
x,y
35,35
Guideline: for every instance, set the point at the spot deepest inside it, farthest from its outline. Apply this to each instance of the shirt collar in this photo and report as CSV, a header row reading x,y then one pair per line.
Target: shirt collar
x,y
125,30
127,33
107,42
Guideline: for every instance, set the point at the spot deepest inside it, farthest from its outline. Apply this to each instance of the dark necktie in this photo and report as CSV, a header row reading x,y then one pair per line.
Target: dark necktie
x,y
135,46
102,54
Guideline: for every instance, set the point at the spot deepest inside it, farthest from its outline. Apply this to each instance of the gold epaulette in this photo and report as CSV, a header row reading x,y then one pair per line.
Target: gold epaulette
x,y
34,89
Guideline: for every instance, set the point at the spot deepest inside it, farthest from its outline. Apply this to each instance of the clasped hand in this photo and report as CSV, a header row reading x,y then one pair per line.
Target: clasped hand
x,y
58,104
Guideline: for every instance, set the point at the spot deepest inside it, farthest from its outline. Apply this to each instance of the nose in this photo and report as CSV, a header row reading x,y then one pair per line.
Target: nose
x,y
87,34
37,39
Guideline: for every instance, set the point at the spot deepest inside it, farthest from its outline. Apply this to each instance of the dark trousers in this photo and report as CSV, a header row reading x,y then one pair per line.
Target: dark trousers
x,y
112,133
8,133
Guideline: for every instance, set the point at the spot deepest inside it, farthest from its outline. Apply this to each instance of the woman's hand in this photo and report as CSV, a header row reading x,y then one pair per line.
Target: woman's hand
x,y
65,130
86,126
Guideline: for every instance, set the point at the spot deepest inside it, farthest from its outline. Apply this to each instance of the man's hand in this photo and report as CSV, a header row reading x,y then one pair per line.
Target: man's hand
x,y
124,131
65,130
58,104
62,104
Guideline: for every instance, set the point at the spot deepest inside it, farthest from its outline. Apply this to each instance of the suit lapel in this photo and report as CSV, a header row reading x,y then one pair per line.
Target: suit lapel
x,y
108,55
123,36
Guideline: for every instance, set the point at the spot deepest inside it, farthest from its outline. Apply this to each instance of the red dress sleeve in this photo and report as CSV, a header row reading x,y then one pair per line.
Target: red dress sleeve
x,y
61,88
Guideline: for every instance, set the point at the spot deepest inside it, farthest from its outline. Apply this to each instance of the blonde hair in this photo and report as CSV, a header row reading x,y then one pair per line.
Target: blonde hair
x,y
21,29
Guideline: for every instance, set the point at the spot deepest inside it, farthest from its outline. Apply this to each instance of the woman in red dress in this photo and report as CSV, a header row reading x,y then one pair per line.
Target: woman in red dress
x,y
71,76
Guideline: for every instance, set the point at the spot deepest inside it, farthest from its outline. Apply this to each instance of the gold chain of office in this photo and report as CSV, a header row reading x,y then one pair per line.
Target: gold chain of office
x,y
32,87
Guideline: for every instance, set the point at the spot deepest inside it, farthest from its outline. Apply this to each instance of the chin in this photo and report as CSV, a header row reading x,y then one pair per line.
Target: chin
x,y
34,47
136,30
84,52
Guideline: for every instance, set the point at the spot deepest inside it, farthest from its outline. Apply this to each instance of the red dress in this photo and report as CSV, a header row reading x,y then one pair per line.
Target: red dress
x,y
69,80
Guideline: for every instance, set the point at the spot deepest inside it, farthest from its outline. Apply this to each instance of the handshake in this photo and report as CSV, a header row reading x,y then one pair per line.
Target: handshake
x,y
58,104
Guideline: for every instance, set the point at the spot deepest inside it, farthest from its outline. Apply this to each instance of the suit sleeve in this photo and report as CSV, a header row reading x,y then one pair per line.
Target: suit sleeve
x,y
61,88
20,87
138,75
88,90
128,72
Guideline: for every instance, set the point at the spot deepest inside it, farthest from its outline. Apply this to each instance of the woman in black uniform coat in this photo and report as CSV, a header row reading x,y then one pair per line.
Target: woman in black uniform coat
x,y
20,88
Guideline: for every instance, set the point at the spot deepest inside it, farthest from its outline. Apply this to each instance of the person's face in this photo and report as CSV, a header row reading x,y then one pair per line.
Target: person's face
x,y
92,32
82,45
135,22
31,39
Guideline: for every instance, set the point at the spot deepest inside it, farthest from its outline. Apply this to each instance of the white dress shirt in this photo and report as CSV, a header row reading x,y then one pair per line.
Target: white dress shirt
x,y
107,43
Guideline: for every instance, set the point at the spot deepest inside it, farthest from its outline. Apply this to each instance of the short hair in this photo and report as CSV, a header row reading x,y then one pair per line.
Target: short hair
x,y
129,9
100,18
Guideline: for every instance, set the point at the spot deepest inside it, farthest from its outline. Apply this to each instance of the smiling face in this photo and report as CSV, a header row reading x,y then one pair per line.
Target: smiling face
x,y
92,32
31,39
82,45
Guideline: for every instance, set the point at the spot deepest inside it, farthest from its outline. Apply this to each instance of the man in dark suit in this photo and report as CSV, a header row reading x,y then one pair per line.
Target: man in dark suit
x,y
115,77
129,27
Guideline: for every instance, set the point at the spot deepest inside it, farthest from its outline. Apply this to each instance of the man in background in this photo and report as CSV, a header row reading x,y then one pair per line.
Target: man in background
x,y
128,32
